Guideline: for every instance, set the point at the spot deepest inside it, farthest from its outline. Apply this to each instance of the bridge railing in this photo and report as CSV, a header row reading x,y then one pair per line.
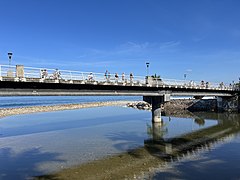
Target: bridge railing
x,y
41,74
8,71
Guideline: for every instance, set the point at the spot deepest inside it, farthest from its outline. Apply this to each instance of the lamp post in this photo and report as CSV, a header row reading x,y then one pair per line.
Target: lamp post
x,y
147,63
10,58
185,76
9,73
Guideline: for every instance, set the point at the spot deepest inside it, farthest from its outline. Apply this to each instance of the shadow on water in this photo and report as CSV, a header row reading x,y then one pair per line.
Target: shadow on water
x,y
24,164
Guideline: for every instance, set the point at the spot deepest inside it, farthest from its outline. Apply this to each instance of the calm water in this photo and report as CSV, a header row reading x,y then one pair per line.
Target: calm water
x,y
42,143
12,102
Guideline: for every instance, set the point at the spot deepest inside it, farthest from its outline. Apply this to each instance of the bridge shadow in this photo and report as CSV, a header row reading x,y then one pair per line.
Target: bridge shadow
x,y
24,165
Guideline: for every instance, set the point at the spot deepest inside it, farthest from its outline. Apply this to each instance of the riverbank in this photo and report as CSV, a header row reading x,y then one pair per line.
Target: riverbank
x,y
175,106
36,109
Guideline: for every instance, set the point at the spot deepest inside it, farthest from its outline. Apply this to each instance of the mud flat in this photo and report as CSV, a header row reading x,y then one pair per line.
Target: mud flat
x,y
127,165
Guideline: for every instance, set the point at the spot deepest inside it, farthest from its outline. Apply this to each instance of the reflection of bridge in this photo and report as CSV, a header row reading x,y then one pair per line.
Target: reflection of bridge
x,y
25,81
157,153
189,143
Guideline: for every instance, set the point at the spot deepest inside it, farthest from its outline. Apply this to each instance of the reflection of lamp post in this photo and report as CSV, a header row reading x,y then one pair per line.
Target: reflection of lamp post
x,y
147,63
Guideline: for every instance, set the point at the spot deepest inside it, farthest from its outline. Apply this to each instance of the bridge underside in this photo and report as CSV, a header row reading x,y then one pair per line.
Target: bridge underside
x,y
63,92
9,88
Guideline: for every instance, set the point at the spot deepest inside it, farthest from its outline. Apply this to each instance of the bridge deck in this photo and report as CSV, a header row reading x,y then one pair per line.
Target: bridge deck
x,y
61,87
21,80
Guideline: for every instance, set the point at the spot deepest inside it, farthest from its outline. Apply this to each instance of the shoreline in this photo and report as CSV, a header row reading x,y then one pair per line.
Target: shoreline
x,y
172,107
4,112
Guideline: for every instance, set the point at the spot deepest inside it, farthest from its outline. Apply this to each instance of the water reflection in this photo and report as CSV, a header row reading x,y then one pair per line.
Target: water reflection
x,y
21,165
157,130
165,147
190,144
48,141
199,121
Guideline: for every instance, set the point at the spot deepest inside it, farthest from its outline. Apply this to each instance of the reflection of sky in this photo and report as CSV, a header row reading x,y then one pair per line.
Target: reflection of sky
x,y
179,126
45,142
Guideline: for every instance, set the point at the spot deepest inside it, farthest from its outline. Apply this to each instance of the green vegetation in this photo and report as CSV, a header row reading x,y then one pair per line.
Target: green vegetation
x,y
155,76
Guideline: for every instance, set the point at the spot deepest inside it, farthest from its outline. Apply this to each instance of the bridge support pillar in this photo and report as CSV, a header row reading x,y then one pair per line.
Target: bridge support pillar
x,y
156,102
231,104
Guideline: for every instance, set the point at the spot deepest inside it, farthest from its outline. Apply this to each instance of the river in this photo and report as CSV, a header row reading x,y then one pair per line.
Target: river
x,y
200,146
24,101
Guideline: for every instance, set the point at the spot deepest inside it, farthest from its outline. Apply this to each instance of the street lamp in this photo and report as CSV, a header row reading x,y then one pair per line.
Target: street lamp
x,y
147,63
10,58
9,73
239,83
185,76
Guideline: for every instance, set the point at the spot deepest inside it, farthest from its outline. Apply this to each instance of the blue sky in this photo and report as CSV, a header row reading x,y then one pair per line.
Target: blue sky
x,y
200,38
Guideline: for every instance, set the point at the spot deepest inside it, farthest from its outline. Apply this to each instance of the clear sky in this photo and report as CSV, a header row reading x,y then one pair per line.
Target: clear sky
x,y
200,38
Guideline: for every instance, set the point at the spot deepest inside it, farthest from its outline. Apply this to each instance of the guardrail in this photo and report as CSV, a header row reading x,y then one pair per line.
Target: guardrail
x,y
21,73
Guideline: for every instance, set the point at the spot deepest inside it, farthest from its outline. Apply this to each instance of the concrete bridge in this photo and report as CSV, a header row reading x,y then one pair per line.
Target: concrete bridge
x,y
27,81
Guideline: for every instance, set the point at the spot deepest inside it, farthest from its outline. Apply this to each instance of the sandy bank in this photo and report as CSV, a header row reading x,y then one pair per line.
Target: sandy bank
x,y
35,109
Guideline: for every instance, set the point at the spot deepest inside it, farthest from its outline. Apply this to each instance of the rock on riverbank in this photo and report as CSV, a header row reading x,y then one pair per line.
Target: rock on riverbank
x,y
180,104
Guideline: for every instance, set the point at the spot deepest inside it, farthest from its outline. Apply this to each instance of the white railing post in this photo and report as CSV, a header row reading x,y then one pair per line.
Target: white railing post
x,y
0,70
82,76
70,75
